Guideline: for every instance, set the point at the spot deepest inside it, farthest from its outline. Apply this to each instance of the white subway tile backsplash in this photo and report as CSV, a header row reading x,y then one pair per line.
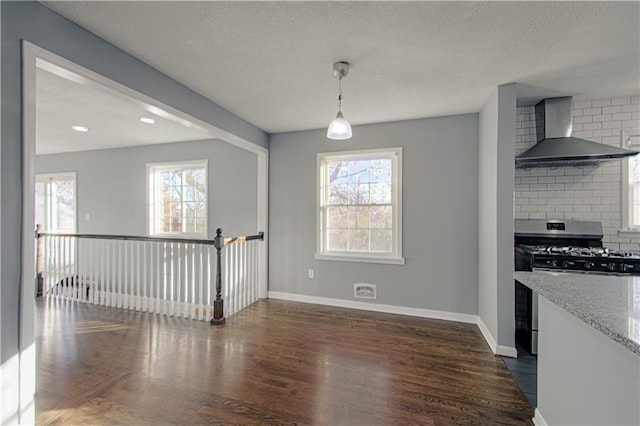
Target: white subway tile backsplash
x,y
630,108
592,185
611,216
601,103
547,179
555,172
611,125
592,126
546,208
537,201
555,186
592,111
538,172
529,180
602,133
612,109
583,133
621,101
581,105
572,171
590,193
592,216
529,194
537,216
592,200
602,117
621,116
601,209
583,119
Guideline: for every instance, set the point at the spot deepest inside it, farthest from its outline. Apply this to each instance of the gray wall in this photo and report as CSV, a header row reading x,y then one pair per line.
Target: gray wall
x,y
440,209
112,185
33,22
495,215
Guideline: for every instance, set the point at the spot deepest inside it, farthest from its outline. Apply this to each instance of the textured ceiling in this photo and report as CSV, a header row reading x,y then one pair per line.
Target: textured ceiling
x,y
270,62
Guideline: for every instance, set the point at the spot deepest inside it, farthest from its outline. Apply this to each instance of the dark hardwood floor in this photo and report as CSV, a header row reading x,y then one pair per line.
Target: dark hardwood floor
x,y
274,363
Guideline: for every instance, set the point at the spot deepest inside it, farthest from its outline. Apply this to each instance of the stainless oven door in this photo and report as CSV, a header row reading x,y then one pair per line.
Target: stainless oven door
x,y
534,323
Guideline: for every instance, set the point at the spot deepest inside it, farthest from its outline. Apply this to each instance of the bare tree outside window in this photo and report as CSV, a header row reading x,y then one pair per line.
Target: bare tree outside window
x,y
179,194
359,209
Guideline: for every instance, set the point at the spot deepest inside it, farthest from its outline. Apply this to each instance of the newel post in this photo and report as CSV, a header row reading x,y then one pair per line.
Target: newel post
x,y
218,304
39,280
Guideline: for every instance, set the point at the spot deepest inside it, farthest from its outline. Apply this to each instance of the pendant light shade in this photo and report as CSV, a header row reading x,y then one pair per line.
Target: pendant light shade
x,y
339,128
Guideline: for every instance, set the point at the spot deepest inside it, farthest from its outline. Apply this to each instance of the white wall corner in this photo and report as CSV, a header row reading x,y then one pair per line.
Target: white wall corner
x,y
538,420
491,341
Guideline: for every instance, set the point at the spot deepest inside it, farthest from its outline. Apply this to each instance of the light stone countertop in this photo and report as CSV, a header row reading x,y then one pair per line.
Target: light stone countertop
x,y
610,304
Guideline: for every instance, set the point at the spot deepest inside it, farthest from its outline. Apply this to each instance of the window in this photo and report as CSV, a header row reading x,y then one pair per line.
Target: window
x,y
631,183
56,202
359,206
178,199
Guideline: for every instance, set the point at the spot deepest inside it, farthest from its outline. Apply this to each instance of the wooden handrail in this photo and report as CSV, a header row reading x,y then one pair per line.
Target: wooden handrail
x,y
227,240
218,242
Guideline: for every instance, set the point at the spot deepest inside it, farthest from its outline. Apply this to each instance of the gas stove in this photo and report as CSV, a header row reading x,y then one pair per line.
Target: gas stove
x,y
560,246
574,246
577,259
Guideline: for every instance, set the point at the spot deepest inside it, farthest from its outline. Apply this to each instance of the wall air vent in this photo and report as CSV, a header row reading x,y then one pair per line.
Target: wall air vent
x,y
365,291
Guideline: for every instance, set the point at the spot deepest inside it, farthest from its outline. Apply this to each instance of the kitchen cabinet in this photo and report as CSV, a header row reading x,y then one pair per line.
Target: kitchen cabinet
x,y
589,348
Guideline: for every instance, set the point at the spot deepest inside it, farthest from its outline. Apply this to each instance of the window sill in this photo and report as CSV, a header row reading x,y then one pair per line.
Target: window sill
x,y
361,259
629,233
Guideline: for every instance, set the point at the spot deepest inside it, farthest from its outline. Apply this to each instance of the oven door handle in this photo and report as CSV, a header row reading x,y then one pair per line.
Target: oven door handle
x,y
534,311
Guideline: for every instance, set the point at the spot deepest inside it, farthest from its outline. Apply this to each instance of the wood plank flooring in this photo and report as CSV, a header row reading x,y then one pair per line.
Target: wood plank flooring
x,y
276,362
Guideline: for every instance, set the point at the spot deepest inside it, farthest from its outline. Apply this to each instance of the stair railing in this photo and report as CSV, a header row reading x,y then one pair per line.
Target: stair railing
x,y
171,276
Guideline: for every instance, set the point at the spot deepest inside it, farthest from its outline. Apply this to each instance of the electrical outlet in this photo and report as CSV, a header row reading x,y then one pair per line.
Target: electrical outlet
x,y
311,274
87,217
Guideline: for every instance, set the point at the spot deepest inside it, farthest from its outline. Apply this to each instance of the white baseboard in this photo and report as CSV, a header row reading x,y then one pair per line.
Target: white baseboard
x,y
375,307
538,420
495,348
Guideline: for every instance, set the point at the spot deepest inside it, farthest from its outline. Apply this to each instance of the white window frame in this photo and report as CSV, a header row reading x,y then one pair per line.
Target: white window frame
x,y
48,209
395,257
630,139
151,216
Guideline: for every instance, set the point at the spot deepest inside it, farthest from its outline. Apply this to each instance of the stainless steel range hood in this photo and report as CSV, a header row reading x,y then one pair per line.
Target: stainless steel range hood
x,y
557,147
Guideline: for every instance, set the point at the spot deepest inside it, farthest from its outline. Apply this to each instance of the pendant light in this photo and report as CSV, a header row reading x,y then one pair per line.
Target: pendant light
x,y
339,128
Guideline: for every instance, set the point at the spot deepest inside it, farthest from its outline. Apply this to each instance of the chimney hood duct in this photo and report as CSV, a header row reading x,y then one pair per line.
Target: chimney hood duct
x,y
557,147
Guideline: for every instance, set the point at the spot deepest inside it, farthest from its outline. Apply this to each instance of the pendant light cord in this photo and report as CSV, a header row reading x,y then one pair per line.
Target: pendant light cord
x,y
340,94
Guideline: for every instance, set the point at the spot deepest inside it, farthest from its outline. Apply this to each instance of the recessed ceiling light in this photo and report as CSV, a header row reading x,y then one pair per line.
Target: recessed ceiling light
x,y
80,128
147,120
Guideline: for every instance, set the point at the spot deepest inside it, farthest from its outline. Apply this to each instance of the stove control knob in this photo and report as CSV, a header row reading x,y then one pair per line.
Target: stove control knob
x,y
565,264
624,267
589,265
611,266
554,263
